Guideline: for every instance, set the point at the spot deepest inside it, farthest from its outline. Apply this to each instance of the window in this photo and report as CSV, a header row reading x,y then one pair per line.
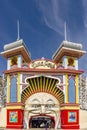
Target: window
x,y
13,90
71,90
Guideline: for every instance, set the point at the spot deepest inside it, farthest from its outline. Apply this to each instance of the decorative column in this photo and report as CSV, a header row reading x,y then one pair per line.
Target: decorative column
x,y
8,88
65,61
77,89
18,86
8,63
19,60
66,93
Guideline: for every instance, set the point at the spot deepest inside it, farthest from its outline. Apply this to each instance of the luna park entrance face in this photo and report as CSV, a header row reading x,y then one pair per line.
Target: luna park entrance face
x,y
41,122
42,110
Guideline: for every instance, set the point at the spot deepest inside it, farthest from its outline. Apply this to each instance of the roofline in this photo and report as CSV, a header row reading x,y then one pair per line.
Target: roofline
x,y
70,46
8,53
63,50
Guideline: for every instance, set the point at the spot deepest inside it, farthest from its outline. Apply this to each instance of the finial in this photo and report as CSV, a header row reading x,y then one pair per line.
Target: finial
x,y
42,58
18,37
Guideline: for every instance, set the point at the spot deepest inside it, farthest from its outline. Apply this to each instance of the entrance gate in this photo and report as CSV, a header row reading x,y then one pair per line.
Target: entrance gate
x,y
35,87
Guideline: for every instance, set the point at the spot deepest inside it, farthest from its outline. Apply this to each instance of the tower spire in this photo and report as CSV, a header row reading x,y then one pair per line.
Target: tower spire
x,y
65,33
18,30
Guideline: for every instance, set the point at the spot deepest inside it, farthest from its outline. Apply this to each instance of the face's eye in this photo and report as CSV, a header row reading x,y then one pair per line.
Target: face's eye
x,y
48,105
36,105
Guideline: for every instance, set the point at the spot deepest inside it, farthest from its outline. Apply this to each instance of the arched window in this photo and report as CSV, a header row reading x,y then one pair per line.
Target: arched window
x,y
71,90
13,90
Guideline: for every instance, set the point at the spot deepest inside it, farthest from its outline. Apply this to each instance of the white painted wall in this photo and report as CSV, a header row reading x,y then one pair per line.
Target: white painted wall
x,y
2,117
83,119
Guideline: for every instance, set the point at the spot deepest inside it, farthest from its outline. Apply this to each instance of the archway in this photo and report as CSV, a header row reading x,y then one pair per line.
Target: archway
x,y
46,84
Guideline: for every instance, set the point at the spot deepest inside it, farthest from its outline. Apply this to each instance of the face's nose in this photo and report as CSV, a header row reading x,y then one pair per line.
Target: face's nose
x,y
43,109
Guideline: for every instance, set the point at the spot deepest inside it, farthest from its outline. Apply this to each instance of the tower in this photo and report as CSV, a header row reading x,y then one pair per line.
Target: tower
x,y
17,56
67,56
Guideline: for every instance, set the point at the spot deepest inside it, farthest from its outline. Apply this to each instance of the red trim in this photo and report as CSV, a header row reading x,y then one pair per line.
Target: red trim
x,y
14,104
53,71
14,126
76,127
70,104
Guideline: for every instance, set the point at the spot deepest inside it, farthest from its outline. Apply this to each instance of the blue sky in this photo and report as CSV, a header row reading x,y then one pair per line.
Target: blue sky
x,y
42,25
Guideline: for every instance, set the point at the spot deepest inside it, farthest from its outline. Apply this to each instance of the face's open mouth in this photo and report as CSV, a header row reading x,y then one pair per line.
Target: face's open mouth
x,y
42,121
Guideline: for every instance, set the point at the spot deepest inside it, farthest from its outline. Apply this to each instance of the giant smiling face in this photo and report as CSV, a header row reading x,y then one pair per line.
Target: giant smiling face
x,y
42,103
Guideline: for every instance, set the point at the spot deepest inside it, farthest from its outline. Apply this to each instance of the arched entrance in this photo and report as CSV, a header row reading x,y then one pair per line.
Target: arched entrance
x,y
42,109
42,99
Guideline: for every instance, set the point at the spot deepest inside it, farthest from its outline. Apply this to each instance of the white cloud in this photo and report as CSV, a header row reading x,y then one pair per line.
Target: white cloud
x,y
56,11
84,2
52,14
